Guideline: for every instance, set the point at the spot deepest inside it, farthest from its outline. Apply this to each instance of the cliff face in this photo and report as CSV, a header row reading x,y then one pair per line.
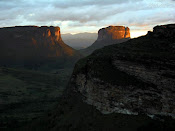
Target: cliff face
x,y
132,77
113,33
108,36
33,45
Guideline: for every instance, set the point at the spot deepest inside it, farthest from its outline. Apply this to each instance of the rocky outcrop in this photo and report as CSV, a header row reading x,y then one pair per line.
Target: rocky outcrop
x,y
164,30
108,36
113,33
25,45
135,77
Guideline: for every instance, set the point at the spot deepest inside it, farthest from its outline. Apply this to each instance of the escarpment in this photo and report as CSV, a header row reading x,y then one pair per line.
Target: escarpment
x,y
134,77
113,33
31,45
108,36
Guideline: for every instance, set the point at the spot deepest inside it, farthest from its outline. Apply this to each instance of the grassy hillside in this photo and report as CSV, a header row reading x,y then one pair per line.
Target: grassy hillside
x,y
26,95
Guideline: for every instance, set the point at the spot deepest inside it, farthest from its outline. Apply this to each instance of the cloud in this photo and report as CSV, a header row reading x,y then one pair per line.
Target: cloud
x,y
79,3
87,15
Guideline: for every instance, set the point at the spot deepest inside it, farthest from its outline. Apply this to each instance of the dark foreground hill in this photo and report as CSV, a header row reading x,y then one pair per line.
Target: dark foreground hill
x,y
33,46
132,77
125,87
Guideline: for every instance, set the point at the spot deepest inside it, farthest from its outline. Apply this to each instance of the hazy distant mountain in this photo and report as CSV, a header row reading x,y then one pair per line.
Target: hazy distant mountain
x,y
80,40
32,45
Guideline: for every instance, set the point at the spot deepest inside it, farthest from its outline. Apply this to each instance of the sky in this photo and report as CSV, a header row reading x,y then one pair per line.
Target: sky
x,y
76,16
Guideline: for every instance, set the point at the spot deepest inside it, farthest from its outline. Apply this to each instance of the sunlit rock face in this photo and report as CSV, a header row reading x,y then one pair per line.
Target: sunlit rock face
x,y
51,32
108,36
113,33
32,44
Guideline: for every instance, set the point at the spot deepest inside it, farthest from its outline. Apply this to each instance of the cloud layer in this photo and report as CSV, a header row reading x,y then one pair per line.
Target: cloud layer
x,y
87,15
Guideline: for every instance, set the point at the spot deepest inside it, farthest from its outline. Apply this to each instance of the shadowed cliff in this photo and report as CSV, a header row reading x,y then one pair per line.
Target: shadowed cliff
x,y
34,46
28,94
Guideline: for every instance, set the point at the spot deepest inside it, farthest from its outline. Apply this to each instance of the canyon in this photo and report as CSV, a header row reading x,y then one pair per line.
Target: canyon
x,y
125,86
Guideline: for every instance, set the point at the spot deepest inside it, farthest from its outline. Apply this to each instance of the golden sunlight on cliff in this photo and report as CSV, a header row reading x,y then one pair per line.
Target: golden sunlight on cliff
x,y
48,33
34,41
118,32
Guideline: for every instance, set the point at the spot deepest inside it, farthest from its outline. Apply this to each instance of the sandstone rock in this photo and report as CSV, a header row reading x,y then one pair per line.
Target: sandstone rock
x,y
113,33
108,36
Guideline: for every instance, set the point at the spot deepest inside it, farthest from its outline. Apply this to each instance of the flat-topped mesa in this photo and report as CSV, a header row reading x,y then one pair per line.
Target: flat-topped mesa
x,y
33,44
113,33
164,30
43,31
108,36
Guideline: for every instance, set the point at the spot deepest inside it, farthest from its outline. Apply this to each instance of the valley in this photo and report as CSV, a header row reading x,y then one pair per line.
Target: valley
x,y
87,65
121,84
